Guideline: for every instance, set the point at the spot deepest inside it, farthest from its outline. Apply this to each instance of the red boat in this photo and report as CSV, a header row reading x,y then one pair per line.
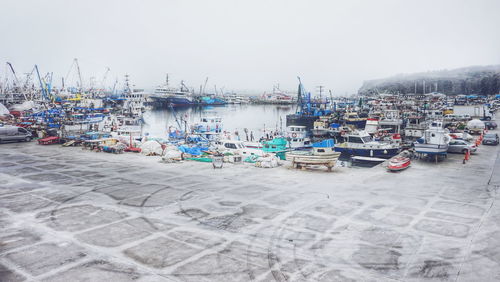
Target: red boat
x,y
133,149
49,140
398,163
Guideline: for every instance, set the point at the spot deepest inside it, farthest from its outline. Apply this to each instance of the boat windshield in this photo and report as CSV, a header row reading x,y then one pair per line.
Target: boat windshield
x,y
367,139
360,139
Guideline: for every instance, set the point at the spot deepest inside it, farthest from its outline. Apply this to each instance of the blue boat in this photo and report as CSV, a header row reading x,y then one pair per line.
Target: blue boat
x,y
362,144
354,119
309,110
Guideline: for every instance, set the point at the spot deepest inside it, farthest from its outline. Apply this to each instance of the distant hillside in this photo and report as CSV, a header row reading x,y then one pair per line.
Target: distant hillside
x,y
482,80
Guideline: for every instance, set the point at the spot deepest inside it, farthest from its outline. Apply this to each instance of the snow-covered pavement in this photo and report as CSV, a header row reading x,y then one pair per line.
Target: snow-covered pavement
x,y
67,214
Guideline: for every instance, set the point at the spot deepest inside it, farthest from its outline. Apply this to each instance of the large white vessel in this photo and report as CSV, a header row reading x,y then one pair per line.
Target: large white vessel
x,y
166,96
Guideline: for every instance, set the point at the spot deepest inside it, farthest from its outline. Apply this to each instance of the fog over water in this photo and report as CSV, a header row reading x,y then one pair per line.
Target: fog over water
x,y
249,45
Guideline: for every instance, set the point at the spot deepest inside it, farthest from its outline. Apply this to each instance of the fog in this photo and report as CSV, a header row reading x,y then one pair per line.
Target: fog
x,y
249,45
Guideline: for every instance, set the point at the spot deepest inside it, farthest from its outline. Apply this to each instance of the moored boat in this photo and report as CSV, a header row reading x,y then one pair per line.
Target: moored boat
x,y
297,137
362,144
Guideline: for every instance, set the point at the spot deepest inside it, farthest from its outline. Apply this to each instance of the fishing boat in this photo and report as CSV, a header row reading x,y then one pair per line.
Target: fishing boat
x,y
278,146
398,163
277,97
354,119
415,126
322,153
435,141
391,121
362,144
208,127
371,126
237,148
165,96
309,110
297,137
322,127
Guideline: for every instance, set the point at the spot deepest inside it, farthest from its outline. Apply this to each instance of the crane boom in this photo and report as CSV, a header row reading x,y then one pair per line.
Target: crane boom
x,y
16,81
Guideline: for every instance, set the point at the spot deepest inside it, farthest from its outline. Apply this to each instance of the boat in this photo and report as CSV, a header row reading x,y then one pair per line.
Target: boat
x,y
165,96
362,144
415,126
322,153
322,127
297,137
354,119
208,127
309,109
435,141
277,97
210,100
366,161
371,126
391,121
277,145
237,148
398,163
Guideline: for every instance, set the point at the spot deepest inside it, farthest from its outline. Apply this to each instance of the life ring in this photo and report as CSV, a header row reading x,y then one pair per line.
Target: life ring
x,y
294,135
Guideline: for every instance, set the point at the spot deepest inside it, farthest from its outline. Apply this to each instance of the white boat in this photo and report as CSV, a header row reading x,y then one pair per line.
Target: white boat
x,y
297,137
435,141
415,127
208,127
391,121
371,126
237,148
166,96
322,153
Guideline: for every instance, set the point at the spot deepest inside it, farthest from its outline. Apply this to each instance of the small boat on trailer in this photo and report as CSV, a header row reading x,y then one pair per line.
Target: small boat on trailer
x,y
398,163
322,153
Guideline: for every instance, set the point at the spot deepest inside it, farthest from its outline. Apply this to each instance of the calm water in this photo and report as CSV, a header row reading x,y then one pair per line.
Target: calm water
x,y
234,117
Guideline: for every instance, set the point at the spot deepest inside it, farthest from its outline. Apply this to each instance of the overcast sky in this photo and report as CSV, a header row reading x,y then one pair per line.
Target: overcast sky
x,y
249,45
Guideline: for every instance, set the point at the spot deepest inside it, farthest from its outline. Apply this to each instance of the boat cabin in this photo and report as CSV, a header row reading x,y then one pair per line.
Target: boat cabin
x,y
360,138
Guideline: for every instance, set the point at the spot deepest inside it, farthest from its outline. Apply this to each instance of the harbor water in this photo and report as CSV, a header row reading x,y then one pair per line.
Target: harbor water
x,y
258,119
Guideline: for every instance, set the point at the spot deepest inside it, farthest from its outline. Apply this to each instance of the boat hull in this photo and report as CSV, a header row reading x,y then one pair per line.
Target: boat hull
x,y
357,123
309,158
373,153
431,149
398,164
166,102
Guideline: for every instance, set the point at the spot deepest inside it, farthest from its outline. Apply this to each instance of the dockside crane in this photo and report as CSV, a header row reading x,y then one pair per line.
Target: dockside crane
x,y
103,81
16,81
77,66
43,87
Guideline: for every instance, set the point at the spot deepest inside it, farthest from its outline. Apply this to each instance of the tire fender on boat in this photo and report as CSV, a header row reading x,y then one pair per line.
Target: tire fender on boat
x,y
371,153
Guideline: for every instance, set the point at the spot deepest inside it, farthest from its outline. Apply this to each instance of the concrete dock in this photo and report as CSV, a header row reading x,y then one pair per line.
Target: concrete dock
x,y
67,214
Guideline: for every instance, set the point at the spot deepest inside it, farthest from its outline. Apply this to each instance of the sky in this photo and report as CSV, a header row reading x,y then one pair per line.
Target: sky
x,y
248,46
